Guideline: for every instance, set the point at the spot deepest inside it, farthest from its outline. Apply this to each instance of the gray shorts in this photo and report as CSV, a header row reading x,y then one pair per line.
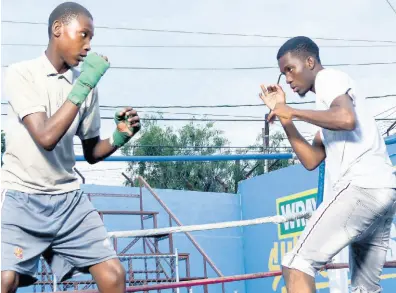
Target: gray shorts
x,y
358,217
65,228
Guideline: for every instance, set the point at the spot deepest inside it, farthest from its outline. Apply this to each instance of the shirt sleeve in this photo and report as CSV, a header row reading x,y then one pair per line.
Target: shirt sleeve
x,y
90,123
21,92
331,84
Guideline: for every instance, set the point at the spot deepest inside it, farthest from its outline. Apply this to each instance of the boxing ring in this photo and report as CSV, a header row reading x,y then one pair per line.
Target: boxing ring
x,y
175,283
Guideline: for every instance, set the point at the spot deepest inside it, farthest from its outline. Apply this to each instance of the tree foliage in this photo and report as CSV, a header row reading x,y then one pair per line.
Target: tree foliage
x,y
194,139
2,142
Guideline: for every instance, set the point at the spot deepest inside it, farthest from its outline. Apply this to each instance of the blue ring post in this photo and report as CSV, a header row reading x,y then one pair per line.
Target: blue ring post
x,y
319,197
390,141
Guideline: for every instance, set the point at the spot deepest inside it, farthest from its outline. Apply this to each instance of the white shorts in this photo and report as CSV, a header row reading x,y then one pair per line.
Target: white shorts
x,y
357,217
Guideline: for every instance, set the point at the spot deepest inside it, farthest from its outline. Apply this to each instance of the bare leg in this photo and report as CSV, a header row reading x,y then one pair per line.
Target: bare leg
x,y
297,281
9,281
110,276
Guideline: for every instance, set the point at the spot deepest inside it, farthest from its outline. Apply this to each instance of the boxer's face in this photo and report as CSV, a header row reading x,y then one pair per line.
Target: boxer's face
x,y
75,39
298,72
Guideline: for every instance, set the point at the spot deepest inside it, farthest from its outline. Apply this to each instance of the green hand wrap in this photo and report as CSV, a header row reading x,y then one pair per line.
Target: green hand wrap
x,y
93,68
120,138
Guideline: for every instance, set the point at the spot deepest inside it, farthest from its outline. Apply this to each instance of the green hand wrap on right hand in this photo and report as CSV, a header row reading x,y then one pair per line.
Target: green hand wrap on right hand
x,y
93,68
120,138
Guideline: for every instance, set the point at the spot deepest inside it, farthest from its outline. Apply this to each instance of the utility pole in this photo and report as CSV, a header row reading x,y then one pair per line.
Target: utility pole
x,y
265,141
237,174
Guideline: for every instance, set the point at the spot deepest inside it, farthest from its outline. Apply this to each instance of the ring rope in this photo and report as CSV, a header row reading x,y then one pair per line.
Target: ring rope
x,y
179,229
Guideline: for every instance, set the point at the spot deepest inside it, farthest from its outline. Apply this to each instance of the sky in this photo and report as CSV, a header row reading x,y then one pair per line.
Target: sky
x,y
353,19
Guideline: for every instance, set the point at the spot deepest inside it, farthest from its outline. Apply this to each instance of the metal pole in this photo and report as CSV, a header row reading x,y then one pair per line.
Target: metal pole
x,y
128,179
55,282
321,183
177,269
390,128
237,174
266,141
189,236
264,161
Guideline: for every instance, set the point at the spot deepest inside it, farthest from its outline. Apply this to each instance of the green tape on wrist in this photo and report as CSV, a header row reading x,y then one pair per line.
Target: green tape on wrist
x,y
79,93
93,68
120,138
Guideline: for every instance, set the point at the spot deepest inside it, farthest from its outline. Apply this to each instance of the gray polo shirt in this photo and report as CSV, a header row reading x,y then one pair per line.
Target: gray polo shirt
x,y
35,86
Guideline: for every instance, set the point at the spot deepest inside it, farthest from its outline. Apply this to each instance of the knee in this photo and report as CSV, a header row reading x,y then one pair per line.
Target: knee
x,y
285,272
115,275
297,281
9,281
289,275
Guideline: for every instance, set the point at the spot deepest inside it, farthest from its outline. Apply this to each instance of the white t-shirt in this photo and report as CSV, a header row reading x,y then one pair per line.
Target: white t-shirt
x,y
359,156
35,86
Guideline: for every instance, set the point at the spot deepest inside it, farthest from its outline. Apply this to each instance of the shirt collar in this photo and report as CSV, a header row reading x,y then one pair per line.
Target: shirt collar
x,y
50,70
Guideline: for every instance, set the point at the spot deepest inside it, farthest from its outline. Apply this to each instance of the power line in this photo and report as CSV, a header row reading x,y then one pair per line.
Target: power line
x,y
218,106
239,68
394,111
193,119
221,120
381,96
209,33
201,147
391,6
192,114
201,46
199,106
227,106
97,170
208,147
197,114
212,120
387,110
235,68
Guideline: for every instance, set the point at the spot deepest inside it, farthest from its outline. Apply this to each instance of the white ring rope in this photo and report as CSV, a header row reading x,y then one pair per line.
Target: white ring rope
x,y
179,229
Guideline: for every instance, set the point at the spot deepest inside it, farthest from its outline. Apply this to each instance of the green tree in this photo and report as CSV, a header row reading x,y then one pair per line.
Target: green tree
x,y
2,142
2,145
191,139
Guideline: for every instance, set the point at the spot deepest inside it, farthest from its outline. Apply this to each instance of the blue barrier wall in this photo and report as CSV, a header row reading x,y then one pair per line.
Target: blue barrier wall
x,y
263,248
224,246
392,153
